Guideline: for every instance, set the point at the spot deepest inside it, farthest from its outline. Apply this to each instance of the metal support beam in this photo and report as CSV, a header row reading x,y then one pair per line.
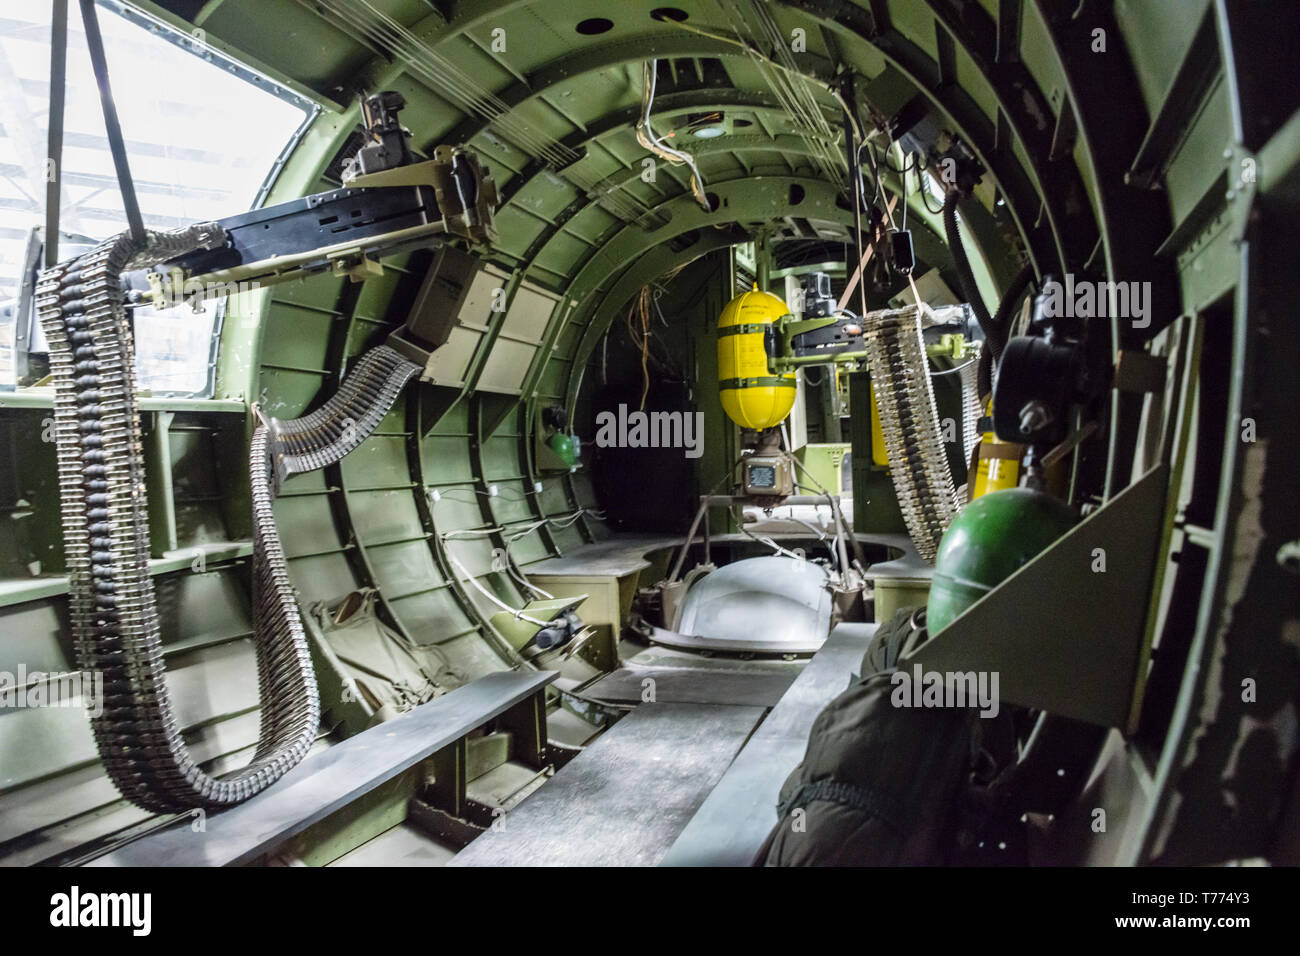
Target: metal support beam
x,y
1195,78
54,148
112,127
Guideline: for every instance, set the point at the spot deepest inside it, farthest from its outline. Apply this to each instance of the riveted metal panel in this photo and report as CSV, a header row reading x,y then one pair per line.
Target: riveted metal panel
x,y
33,636
326,577
378,461
506,366
203,607
287,394
450,364
381,516
457,508
319,293
432,617
402,568
297,337
305,525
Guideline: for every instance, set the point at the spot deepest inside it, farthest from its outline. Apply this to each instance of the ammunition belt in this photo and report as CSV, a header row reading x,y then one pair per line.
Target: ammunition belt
x,y
106,533
345,420
909,421
970,405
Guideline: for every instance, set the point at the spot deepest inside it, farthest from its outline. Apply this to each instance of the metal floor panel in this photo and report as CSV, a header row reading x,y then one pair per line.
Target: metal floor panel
x,y
623,800
690,685
737,816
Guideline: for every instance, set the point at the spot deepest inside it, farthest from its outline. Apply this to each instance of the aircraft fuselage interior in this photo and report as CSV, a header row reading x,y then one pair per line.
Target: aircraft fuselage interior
x,y
485,433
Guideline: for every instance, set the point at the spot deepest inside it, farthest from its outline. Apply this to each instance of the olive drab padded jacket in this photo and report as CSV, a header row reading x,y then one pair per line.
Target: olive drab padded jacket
x,y
879,785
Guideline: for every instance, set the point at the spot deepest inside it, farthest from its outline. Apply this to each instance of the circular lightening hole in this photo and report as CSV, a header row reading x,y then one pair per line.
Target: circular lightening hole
x,y
667,13
594,25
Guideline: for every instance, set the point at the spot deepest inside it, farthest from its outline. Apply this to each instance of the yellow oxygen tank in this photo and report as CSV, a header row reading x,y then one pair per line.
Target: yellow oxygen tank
x,y
751,395
999,462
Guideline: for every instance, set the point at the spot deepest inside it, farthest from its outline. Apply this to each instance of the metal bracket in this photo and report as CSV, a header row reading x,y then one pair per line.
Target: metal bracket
x,y
1078,647
356,265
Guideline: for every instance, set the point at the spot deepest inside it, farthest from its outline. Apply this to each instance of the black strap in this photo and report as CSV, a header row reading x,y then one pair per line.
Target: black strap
x,y
771,381
744,328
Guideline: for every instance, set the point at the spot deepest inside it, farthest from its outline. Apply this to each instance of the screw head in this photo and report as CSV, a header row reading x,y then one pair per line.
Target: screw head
x,y
1034,416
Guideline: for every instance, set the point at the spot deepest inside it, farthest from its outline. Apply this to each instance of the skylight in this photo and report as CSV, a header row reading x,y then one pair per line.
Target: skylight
x,y
201,137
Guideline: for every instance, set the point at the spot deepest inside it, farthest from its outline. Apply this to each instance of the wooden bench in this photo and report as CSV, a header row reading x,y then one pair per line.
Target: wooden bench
x,y
329,780
734,820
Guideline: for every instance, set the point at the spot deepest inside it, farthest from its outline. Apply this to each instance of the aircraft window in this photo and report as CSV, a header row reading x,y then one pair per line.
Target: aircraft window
x,y
202,137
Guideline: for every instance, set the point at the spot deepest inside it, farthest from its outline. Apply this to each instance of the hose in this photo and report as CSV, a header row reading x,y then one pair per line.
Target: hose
x,y
1002,322
970,291
993,327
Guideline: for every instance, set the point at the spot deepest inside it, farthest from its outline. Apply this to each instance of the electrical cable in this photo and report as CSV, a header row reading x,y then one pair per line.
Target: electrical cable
x,y
765,540
1001,322
511,567
923,181
794,97
875,173
390,38
751,50
469,578
822,536
908,165
955,368
647,137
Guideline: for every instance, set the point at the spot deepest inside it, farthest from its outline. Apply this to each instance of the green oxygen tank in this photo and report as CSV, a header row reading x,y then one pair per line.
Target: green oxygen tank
x,y
993,537
562,445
